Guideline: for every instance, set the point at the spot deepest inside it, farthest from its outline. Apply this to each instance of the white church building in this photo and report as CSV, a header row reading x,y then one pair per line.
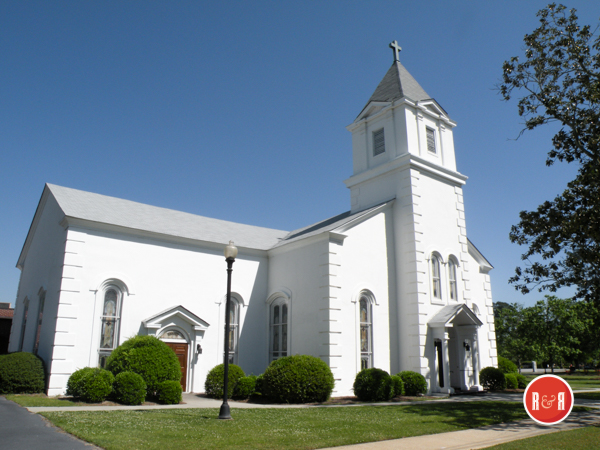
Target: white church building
x,y
393,283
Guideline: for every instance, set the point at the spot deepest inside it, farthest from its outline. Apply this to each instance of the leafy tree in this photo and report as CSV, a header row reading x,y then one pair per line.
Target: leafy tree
x,y
589,345
512,335
560,77
555,329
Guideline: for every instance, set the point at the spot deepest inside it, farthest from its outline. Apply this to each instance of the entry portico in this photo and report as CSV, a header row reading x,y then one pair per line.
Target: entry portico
x,y
455,335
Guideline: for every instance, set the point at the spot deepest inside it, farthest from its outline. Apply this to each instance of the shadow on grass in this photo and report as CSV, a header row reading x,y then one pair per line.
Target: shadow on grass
x,y
471,414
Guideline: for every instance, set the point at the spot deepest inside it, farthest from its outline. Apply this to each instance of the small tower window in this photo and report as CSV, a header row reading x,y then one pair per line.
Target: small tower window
x,y
431,140
378,142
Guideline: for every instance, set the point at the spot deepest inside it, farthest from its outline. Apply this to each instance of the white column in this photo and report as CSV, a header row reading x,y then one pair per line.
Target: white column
x,y
441,334
475,356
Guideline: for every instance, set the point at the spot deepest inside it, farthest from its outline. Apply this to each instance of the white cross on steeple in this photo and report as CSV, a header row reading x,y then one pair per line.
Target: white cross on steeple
x,y
397,49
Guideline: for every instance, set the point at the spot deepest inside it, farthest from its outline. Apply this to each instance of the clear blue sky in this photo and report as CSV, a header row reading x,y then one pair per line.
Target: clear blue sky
x,y
237,110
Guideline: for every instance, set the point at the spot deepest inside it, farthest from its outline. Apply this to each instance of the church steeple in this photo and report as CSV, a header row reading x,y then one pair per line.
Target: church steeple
x,y
398,83
400,124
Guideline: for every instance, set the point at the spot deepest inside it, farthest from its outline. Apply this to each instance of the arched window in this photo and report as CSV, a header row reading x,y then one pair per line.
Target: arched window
x,y
109,328
436,285
366,332
38,330
234,326
279,329
475,309
23,323
452,279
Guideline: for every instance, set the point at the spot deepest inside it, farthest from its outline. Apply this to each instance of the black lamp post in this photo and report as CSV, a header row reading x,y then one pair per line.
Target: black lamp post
x,y
231,252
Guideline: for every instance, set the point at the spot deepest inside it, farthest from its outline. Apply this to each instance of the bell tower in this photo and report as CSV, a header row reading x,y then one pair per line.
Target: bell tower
x,y
400,124
403,151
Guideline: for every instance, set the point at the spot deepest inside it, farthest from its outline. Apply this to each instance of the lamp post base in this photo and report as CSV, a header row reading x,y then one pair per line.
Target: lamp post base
x,y
224,413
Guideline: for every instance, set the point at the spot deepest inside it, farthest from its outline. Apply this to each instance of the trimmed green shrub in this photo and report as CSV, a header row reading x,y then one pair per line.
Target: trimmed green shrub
x,y
129,388
258,386
297,379
492,378
213,386
398,385
245,387
147,356
169,392
511,381
21,372
414,383
507,366
373,385
74,382
96,385
521,381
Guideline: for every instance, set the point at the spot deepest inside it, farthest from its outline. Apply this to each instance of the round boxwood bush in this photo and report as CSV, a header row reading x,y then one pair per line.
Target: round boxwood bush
x,y
75,380
213,386
521,381
147,356
258,386
297,379
373,385
129,388
169,392
511,381
21,372
507,366
96,385
245,387
414,383
492,378
398,385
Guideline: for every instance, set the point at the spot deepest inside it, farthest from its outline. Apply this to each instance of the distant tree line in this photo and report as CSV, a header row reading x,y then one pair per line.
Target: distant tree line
x,y
556,332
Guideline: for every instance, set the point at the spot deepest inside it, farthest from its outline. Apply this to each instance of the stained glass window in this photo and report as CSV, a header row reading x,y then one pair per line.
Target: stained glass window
x,y
234,324
279,330
39,322
172,334
435,277
109,327
23,323
366,333
452,279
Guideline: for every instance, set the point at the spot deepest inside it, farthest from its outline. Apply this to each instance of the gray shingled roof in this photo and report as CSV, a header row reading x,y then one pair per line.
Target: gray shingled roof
x,y
398,83
325,225
138,216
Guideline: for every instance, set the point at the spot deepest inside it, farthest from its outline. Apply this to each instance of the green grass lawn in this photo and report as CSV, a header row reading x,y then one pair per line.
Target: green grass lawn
x,y
42,400
587,395
278,428
580,439
576,381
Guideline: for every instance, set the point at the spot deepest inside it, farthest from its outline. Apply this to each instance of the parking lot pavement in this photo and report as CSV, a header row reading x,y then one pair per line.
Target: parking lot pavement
x,y
23,430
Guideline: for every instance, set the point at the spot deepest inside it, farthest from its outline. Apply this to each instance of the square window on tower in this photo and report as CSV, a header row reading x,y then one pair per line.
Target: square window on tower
x,y
431,140
378,142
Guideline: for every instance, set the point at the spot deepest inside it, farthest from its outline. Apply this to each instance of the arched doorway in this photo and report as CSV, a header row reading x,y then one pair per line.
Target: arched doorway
x,y
178,343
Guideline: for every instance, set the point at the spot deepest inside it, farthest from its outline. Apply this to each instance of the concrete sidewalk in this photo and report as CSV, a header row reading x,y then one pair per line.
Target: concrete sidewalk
x,y
480,437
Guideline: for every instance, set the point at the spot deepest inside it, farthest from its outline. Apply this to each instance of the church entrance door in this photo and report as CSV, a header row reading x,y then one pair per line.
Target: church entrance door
x,y
181,350
454,361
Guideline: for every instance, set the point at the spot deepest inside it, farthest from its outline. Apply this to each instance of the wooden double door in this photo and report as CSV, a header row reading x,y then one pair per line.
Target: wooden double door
x,y
181,350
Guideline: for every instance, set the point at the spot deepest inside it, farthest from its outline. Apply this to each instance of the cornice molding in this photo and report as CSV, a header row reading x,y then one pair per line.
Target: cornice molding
x,y
403,162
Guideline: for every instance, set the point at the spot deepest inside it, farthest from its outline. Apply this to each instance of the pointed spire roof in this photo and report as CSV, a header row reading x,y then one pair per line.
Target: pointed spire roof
x,y
398,83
